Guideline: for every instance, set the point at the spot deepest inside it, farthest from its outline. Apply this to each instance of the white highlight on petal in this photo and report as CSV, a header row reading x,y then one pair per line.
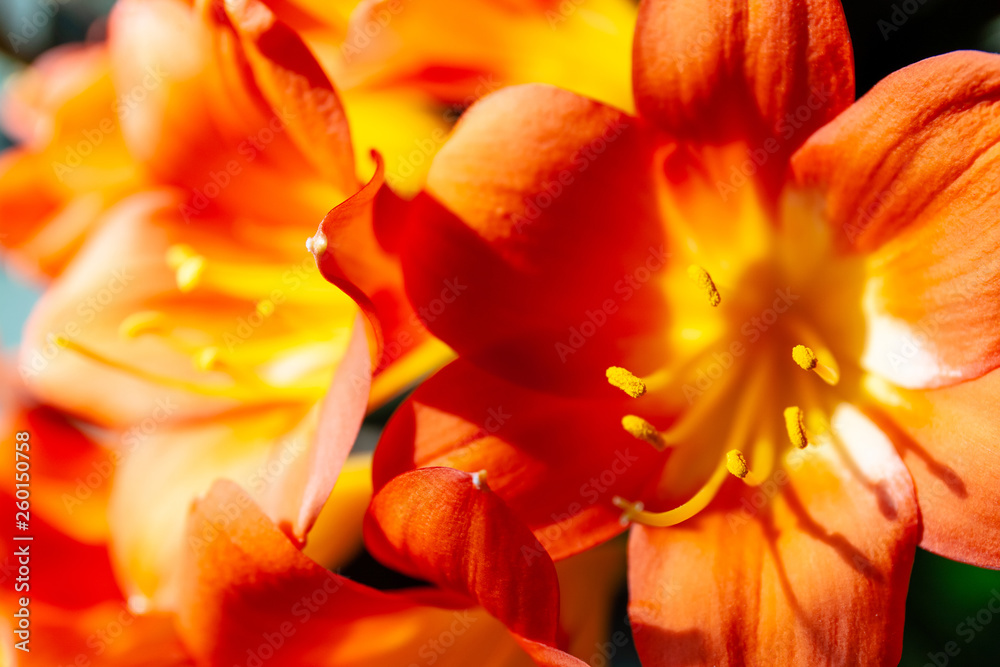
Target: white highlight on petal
x,y
317,244
138,604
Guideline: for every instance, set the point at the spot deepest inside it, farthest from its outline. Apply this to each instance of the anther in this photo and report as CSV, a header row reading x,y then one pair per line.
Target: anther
x,y
317,244
641,429
179,253
795,424
479,479
189,273
736,463
144,321
206,359
807,360
804,357
626,381
702,279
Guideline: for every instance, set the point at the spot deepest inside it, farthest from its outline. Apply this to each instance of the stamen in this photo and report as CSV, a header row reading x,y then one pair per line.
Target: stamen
x,y
631,510
144,321
736,463
702,279
812,341
179,253
641,429
807,360
479,479
626,381
804,357
189,273
795,424
698,502
207,359
249,387
317,244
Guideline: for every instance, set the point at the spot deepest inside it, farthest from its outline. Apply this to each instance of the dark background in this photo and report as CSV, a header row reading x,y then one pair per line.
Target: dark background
x,y
887,36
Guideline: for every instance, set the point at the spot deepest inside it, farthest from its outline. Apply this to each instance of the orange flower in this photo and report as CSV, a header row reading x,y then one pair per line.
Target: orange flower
x,y
206,334
168,179
793,298
246,591
75,606
407,68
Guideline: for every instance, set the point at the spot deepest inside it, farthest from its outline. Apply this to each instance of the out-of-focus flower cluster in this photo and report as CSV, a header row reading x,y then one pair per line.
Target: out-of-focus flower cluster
x,y
655,271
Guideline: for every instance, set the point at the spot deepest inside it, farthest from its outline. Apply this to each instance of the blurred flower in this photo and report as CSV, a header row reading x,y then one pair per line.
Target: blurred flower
x,y
167,180
793,297
246,592
206,334
406,69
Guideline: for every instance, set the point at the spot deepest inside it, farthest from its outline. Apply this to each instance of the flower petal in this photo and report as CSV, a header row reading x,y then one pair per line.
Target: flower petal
x,y
446,526
810,568
244,581
248,307
295,85
112,633
335,539
911,175
748,71
306,484
948,439
72,163
65,572
224,115
557,463
355,261
460,52
541,207
274,452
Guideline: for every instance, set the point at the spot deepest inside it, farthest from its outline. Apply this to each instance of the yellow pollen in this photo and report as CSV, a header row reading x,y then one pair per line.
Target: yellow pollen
x,y
701,278
317,244
624,380
795,424
136,324
479,479
804,357
206,359
808,360
189,273
736,463
641,429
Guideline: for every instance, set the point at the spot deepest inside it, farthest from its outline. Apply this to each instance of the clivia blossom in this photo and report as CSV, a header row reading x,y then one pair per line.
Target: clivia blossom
x,y
246,592
167,179
754,324
184,304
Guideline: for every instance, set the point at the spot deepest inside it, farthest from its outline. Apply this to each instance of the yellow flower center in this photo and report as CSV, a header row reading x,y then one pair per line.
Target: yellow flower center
x,y
735,385
254,330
